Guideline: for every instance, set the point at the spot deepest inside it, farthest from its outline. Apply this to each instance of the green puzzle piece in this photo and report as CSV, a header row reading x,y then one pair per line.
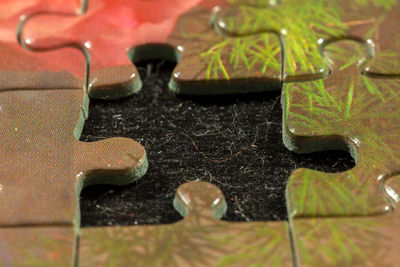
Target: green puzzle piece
x,y
350,111
199,239
214,64
349,241
306,25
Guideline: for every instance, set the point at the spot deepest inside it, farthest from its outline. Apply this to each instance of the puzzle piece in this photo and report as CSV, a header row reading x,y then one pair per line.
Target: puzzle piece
x,y
350,111
351,241
21,69
36,246
197,240
251,64
40,131
306,25
227,65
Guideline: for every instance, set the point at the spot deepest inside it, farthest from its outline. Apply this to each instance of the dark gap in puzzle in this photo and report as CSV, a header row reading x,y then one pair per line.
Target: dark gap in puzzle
x,y
234,142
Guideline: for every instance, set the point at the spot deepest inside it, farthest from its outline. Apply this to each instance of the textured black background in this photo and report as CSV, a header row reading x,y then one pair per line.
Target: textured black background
x,y
234,142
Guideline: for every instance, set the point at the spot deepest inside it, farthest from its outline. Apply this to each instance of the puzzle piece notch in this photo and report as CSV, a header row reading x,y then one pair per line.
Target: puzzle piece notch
x,y
208,63
199,239
304,38
347,110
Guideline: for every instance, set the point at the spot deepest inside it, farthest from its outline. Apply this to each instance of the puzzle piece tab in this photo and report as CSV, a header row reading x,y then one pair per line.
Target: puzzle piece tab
x,y
350,111
306,25
199,239
209,63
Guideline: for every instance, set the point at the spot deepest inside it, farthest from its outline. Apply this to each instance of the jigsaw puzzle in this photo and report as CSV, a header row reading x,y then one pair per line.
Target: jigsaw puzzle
x,y
336,62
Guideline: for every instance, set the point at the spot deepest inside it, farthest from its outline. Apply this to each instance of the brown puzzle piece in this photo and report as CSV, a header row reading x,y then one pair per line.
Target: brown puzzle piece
x,y
44,167
43,105
200,239
43,164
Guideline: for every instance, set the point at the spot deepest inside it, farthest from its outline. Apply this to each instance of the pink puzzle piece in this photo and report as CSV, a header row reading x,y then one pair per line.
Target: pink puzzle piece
x,y
23,69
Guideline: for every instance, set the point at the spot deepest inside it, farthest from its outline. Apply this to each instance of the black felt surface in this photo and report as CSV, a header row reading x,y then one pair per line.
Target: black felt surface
x,y
234,142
